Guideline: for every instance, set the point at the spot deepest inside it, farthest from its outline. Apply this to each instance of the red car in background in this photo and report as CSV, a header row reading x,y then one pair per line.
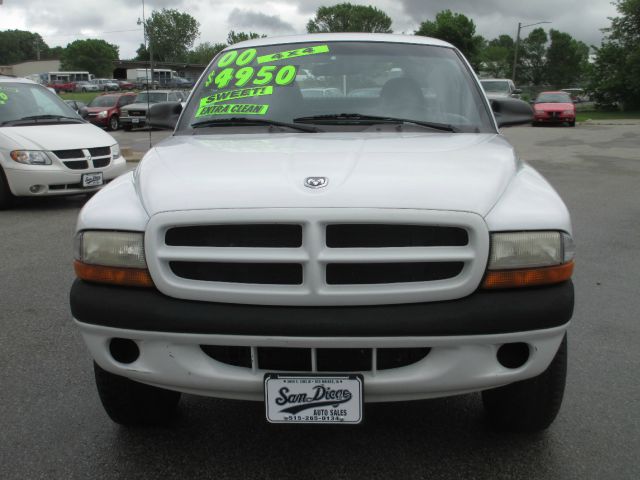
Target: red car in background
x,y
126,85
62,86
554,107
104,110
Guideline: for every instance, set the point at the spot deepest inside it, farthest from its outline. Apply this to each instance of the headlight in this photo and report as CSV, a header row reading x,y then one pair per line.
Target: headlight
x,y
103,114
520,259
115,151
111,257
539,112
30,157
568,112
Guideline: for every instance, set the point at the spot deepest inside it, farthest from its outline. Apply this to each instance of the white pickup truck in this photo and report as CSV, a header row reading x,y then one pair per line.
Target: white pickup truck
x,y
318,253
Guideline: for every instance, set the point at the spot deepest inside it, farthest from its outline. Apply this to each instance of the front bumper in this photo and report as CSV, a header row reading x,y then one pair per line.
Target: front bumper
x,y
134,122
554,119
99,121
463,335
57,180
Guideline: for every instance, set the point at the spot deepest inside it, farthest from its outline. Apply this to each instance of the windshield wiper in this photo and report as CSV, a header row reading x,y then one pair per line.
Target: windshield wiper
x,y
42,117
234,121
372,119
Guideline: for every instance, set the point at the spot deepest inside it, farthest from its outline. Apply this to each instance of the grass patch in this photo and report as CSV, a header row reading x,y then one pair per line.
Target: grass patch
x,y
85,97
598,115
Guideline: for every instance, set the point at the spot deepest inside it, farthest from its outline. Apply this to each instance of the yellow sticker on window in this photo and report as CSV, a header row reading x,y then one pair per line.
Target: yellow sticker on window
x,y
229,109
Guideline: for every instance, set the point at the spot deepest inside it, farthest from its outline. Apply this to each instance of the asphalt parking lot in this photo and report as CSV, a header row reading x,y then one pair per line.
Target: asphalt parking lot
x,y
53,426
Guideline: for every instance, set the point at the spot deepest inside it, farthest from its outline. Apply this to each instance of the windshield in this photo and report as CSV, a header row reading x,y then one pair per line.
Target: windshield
x,y
20,100
104,101
495,85
153,97
553,98
295,82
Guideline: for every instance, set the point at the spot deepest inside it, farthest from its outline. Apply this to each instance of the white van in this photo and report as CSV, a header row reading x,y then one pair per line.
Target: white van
x,y
48,149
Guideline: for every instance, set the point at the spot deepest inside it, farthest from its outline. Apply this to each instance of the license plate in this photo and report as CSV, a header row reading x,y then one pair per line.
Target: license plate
x,y
291,398
92,179
135,120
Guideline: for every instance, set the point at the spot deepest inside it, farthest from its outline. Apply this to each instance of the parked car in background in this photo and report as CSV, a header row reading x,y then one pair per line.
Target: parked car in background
x,y
178,82
62,86
47,149
86,87
578,95
79,107
554,107
106,84
105,110
321,92
142,83
500,87
126,85
135,114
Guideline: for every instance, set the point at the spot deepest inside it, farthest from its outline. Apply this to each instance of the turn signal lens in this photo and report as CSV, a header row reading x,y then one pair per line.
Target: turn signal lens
x,y
130,277
528,277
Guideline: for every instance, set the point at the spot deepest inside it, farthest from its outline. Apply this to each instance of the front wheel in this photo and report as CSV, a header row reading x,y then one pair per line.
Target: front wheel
x,y
572,124
132,403
114,124
529,405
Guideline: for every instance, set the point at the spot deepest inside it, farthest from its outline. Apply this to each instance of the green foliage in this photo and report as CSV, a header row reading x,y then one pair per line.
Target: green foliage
x,y
171,34
21,46
615,74
236,37
142,53
566,59
532,63
457,29
497,56
346,17
204,52
95,56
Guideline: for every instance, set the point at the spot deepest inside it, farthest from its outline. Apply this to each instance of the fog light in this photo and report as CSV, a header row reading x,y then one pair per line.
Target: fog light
x,y
36,188
124,350
513,355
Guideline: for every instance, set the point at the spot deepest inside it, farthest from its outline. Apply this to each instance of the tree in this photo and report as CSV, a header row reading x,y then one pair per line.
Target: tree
x,y
20,45
497,56
93,55
236,37
615,74
171,34
346,17
457,29
142,53
532,58
565,60
204,52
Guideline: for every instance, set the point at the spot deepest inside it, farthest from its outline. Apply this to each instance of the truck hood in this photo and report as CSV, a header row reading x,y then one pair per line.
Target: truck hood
x,y
54,137
441,171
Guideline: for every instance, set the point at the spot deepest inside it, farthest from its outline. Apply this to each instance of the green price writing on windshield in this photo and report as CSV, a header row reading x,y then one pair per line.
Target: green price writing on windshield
x,y
246,76
3,98
298,52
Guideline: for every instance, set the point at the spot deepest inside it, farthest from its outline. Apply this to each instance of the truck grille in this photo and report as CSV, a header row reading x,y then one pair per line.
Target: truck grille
x,y
317,256
315,359
76,159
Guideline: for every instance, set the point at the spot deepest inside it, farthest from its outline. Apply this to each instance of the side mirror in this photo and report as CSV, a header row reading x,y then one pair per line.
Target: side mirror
x,y
511,111
165,115
84,113
517,91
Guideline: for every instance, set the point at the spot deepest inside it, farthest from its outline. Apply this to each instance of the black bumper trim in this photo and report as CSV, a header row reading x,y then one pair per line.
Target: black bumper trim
x,y
481,313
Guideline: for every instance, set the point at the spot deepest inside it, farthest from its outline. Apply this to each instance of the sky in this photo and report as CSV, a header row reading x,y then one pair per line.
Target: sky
x,y
60,22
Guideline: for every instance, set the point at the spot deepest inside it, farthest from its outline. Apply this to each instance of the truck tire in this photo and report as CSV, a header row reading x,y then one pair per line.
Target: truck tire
x,y
530,405
6,197
131,403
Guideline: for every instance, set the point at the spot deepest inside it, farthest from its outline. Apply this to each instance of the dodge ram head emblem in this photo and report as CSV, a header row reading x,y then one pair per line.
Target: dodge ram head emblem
x,y
316,182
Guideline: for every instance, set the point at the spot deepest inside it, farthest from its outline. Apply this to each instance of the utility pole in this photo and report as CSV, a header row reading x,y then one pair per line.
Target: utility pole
x,y
515,53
